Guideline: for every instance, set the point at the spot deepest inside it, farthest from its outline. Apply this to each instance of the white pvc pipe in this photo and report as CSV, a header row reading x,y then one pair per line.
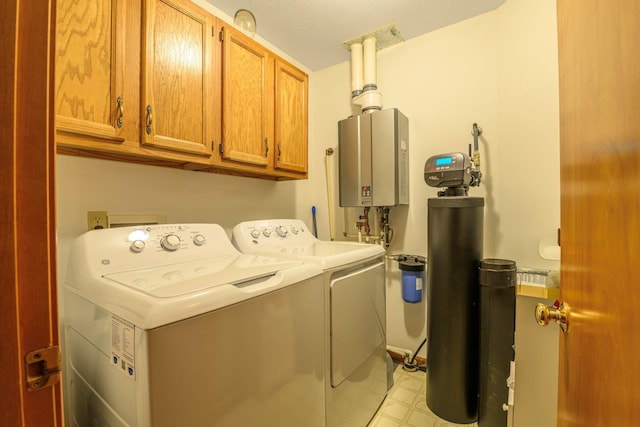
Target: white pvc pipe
x,y
327,172
356,68
370,62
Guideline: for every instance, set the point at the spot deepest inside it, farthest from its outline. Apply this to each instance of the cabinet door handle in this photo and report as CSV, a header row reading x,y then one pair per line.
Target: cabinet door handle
x,y
279,151
149,119
120,103
266,147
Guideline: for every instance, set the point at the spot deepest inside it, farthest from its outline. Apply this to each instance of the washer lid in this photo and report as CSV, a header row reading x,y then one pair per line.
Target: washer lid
x,y
179,279
166,297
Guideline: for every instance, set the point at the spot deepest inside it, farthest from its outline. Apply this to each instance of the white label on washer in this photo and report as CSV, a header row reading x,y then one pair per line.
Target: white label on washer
x,y
418,283
123,346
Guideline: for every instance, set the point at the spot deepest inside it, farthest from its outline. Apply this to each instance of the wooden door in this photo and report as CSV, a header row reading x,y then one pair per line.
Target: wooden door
x,y
89,96
291,91
247,100
177,95
599,63
28,316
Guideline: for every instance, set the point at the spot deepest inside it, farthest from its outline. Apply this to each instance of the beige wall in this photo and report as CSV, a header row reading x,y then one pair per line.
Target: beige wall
x,y
529,186
443,82
528,182
499,70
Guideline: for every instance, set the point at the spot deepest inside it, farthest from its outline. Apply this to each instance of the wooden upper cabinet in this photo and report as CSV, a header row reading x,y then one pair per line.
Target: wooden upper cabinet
x,y
177,91
291,117
90,68
247,97
165,82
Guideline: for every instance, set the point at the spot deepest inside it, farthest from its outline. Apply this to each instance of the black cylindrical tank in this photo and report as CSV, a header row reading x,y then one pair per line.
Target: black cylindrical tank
x,y
498,279
454,250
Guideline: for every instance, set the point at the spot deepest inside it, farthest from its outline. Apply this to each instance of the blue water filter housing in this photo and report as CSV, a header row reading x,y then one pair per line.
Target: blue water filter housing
x,y
412,278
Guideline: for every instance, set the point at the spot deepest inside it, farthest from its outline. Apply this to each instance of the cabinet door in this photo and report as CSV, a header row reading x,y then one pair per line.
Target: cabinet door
x,y
89,68
291,88
176,85
247,91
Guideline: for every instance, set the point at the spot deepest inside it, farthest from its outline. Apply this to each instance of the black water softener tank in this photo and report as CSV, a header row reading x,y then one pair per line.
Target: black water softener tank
x,y
454,250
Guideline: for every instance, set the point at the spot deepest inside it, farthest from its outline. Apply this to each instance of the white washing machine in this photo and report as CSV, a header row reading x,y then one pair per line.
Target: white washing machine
x,y
170,325
355,312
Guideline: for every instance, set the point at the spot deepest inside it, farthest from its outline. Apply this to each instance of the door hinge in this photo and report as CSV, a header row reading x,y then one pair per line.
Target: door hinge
x,y
221,35
42,368
221,148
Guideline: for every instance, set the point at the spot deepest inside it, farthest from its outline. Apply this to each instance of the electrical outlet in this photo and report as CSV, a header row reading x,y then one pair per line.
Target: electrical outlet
x,y
97,220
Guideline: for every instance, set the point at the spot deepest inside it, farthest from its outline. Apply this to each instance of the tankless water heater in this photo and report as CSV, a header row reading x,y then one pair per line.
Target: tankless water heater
x,y
374,159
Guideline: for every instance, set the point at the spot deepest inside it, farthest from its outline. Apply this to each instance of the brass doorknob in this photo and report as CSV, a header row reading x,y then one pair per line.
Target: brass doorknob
x,y
557,312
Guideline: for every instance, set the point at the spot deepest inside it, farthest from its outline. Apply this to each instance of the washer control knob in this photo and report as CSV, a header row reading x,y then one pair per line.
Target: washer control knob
x,y
170,242
281,230
266,232
294,230
137,246
255,233
198,240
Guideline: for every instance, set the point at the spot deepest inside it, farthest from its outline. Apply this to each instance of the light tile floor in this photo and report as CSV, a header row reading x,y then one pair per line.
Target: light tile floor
x,y
405,405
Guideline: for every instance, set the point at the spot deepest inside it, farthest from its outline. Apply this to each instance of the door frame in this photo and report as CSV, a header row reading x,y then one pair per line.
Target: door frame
x,y
28,298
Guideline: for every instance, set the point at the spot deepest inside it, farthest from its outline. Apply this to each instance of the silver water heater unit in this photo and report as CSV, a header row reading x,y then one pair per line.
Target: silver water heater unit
x,y
374,159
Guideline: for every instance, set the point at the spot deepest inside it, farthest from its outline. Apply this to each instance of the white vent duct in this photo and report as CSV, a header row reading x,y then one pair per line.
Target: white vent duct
x,y
369,47
370,99
356,69
364,85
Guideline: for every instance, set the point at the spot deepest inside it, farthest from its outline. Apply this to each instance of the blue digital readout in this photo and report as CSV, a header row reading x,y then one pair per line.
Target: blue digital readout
x,y
444,161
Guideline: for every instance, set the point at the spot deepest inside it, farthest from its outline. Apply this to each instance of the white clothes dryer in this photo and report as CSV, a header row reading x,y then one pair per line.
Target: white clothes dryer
x,y
169,325
355,312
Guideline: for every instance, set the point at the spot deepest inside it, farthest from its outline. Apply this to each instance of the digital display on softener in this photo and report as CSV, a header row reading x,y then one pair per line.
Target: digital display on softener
x,y
448,170
444,161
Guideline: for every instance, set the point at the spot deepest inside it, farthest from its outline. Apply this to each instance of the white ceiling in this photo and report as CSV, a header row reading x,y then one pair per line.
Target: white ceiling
x,y
312,31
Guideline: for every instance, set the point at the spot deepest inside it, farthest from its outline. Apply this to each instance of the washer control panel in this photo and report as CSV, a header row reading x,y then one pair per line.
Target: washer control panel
x,y
123,248
170,238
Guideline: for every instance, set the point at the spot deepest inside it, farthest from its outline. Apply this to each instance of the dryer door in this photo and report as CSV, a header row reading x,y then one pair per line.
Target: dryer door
x,y
358,320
